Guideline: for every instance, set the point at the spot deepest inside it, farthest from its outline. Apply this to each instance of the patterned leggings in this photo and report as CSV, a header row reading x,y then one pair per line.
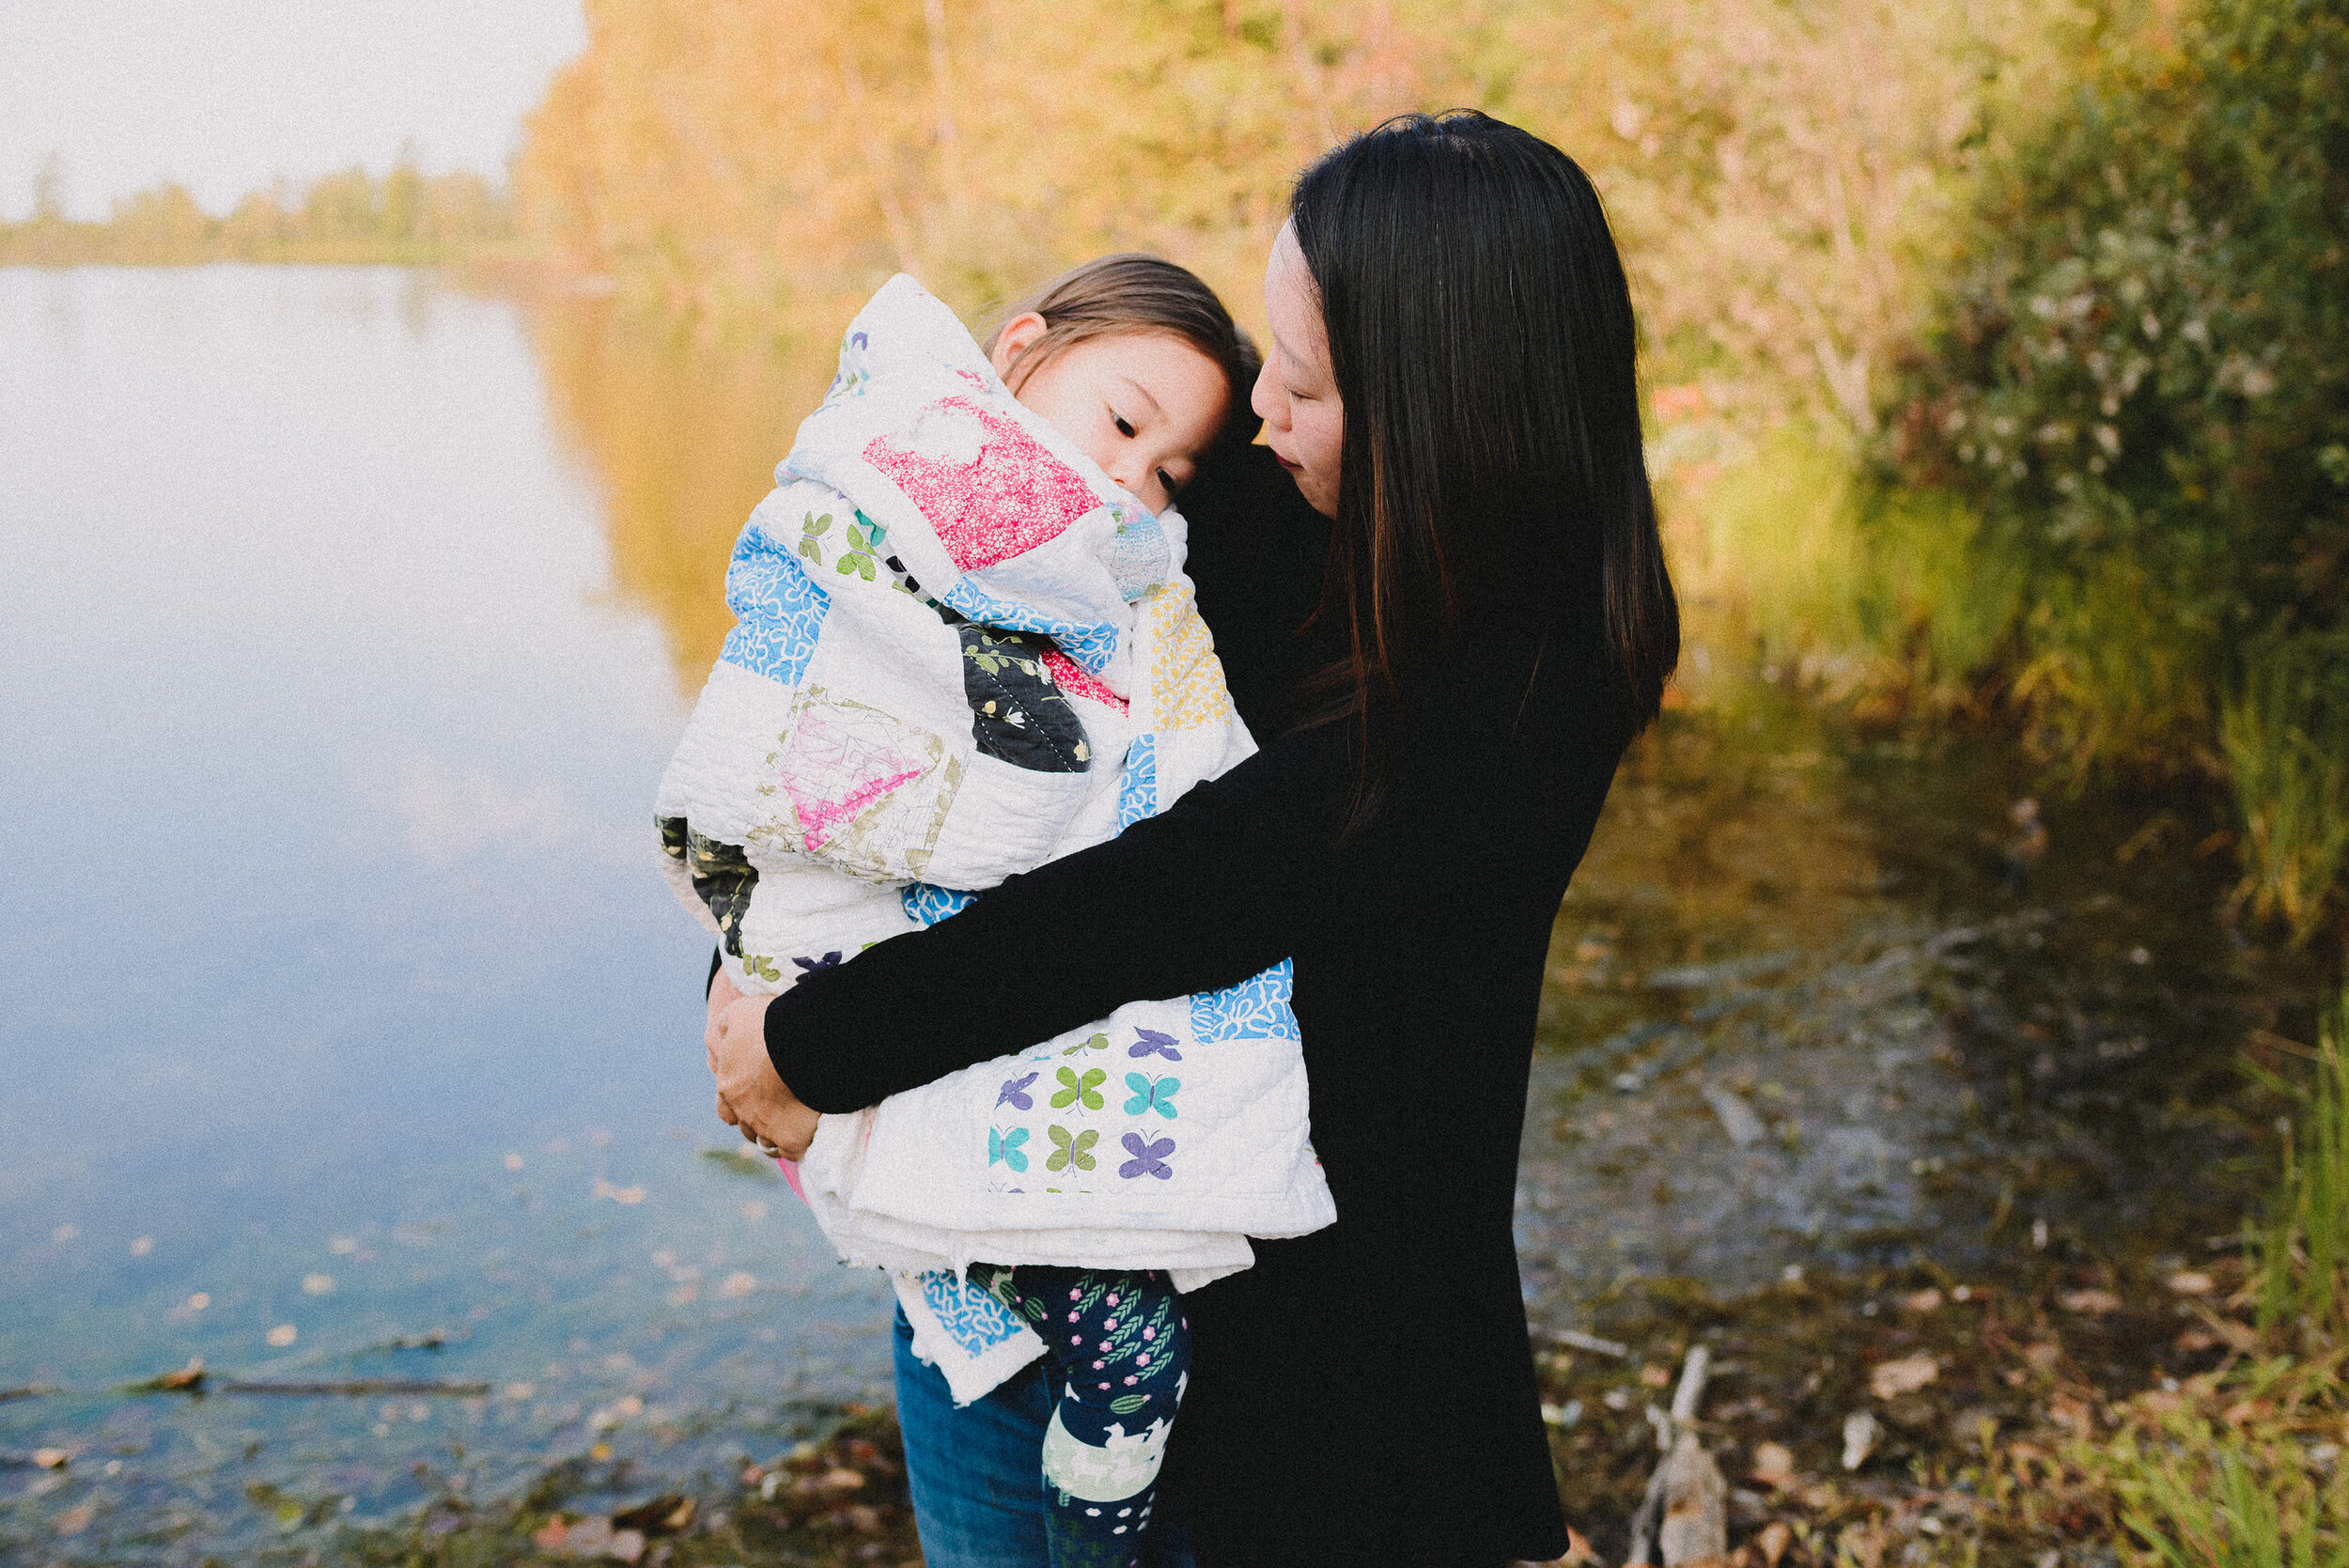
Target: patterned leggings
x,y
1121,1348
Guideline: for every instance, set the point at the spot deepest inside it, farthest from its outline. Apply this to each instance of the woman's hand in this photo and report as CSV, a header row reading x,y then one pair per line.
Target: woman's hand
x,y
749,1096
723,995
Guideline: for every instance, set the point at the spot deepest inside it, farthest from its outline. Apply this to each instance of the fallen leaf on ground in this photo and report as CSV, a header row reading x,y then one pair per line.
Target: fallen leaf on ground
x,y
1861,1432
1863,1543
1775,1538
2158,1402
2192,1283
52,1459
2195,1341
2042,1355
1891,1379
73,1521
2072,1415
1774,1466
1922,1301
1655,1376
2089,1303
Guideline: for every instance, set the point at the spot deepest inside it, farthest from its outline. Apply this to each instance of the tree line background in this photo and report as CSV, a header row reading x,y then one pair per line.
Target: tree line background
x,y
1996,350
404,217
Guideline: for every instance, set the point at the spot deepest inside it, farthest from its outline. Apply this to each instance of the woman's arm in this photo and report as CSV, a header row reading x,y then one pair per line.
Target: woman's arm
x,y
1200,897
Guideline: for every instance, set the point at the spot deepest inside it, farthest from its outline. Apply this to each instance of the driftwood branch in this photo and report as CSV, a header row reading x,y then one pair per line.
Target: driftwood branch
x,y
1684,1511
359,1386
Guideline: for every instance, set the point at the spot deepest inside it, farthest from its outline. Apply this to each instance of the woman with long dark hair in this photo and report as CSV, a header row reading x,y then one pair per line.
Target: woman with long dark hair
x,y
1449,626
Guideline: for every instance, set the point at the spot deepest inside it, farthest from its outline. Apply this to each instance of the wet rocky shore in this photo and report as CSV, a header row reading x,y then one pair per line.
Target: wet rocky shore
x,y
1924,1117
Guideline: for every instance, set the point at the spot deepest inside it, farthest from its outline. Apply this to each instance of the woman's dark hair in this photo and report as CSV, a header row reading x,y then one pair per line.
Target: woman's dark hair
x,y
1481,334
1132,293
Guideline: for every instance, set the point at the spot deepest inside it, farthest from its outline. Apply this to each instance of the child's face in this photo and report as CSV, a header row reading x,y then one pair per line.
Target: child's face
x,y
1143,406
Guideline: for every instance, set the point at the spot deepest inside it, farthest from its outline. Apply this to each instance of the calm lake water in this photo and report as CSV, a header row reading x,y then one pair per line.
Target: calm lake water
x,y
343,1005
346,622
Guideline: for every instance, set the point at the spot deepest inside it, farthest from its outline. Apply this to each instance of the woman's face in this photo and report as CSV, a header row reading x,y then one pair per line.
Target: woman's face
x,y
1296,395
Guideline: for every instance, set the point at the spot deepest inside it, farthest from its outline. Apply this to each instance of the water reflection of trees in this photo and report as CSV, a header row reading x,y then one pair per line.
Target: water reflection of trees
x,y
682,434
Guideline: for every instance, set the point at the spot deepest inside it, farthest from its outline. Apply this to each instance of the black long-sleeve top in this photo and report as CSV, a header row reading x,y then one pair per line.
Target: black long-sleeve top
x,y
1365,1395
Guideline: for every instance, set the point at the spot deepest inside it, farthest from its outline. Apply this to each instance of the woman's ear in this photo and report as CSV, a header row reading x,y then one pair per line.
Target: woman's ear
x,y
1013,339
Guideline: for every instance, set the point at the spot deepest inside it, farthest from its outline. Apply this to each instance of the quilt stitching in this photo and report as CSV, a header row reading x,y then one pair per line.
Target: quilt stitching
x,y
859,783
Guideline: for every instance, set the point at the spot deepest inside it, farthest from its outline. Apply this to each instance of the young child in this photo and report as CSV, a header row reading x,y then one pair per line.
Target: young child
x,y
965,646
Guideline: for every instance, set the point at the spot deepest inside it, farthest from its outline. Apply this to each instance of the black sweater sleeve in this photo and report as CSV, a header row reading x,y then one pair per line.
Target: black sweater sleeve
x,y
1200,897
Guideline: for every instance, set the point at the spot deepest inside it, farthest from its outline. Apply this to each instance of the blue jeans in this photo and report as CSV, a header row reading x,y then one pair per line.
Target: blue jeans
x,y
977,1473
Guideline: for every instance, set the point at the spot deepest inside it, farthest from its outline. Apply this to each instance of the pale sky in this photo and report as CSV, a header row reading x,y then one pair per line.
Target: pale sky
x,y
226,95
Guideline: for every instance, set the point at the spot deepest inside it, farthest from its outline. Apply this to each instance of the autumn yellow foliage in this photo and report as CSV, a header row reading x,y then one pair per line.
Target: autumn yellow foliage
x,y
1776,171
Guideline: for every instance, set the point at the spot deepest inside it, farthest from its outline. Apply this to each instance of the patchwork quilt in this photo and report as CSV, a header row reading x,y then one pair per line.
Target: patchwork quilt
x,y
961,651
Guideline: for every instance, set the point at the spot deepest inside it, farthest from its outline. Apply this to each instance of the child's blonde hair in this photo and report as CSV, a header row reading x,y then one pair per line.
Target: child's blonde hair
x,y
1132,293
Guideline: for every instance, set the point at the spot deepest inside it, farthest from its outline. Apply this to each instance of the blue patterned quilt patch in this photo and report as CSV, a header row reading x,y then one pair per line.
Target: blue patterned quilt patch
x,y
777,611
926,905
1256,1009
1090,644
1137,793
972,1316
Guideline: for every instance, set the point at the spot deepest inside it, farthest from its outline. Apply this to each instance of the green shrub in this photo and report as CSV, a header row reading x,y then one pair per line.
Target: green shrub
x,y
1942,593
2140,376
1849,582
2302,1248
2207,1503
2284,729
2146,349
2237,1473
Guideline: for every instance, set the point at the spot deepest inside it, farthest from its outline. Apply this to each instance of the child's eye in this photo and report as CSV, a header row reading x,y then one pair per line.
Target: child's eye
x,y
1124,428
1166,483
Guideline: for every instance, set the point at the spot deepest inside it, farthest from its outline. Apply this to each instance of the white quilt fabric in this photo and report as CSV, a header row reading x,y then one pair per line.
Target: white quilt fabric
x,y
962,651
